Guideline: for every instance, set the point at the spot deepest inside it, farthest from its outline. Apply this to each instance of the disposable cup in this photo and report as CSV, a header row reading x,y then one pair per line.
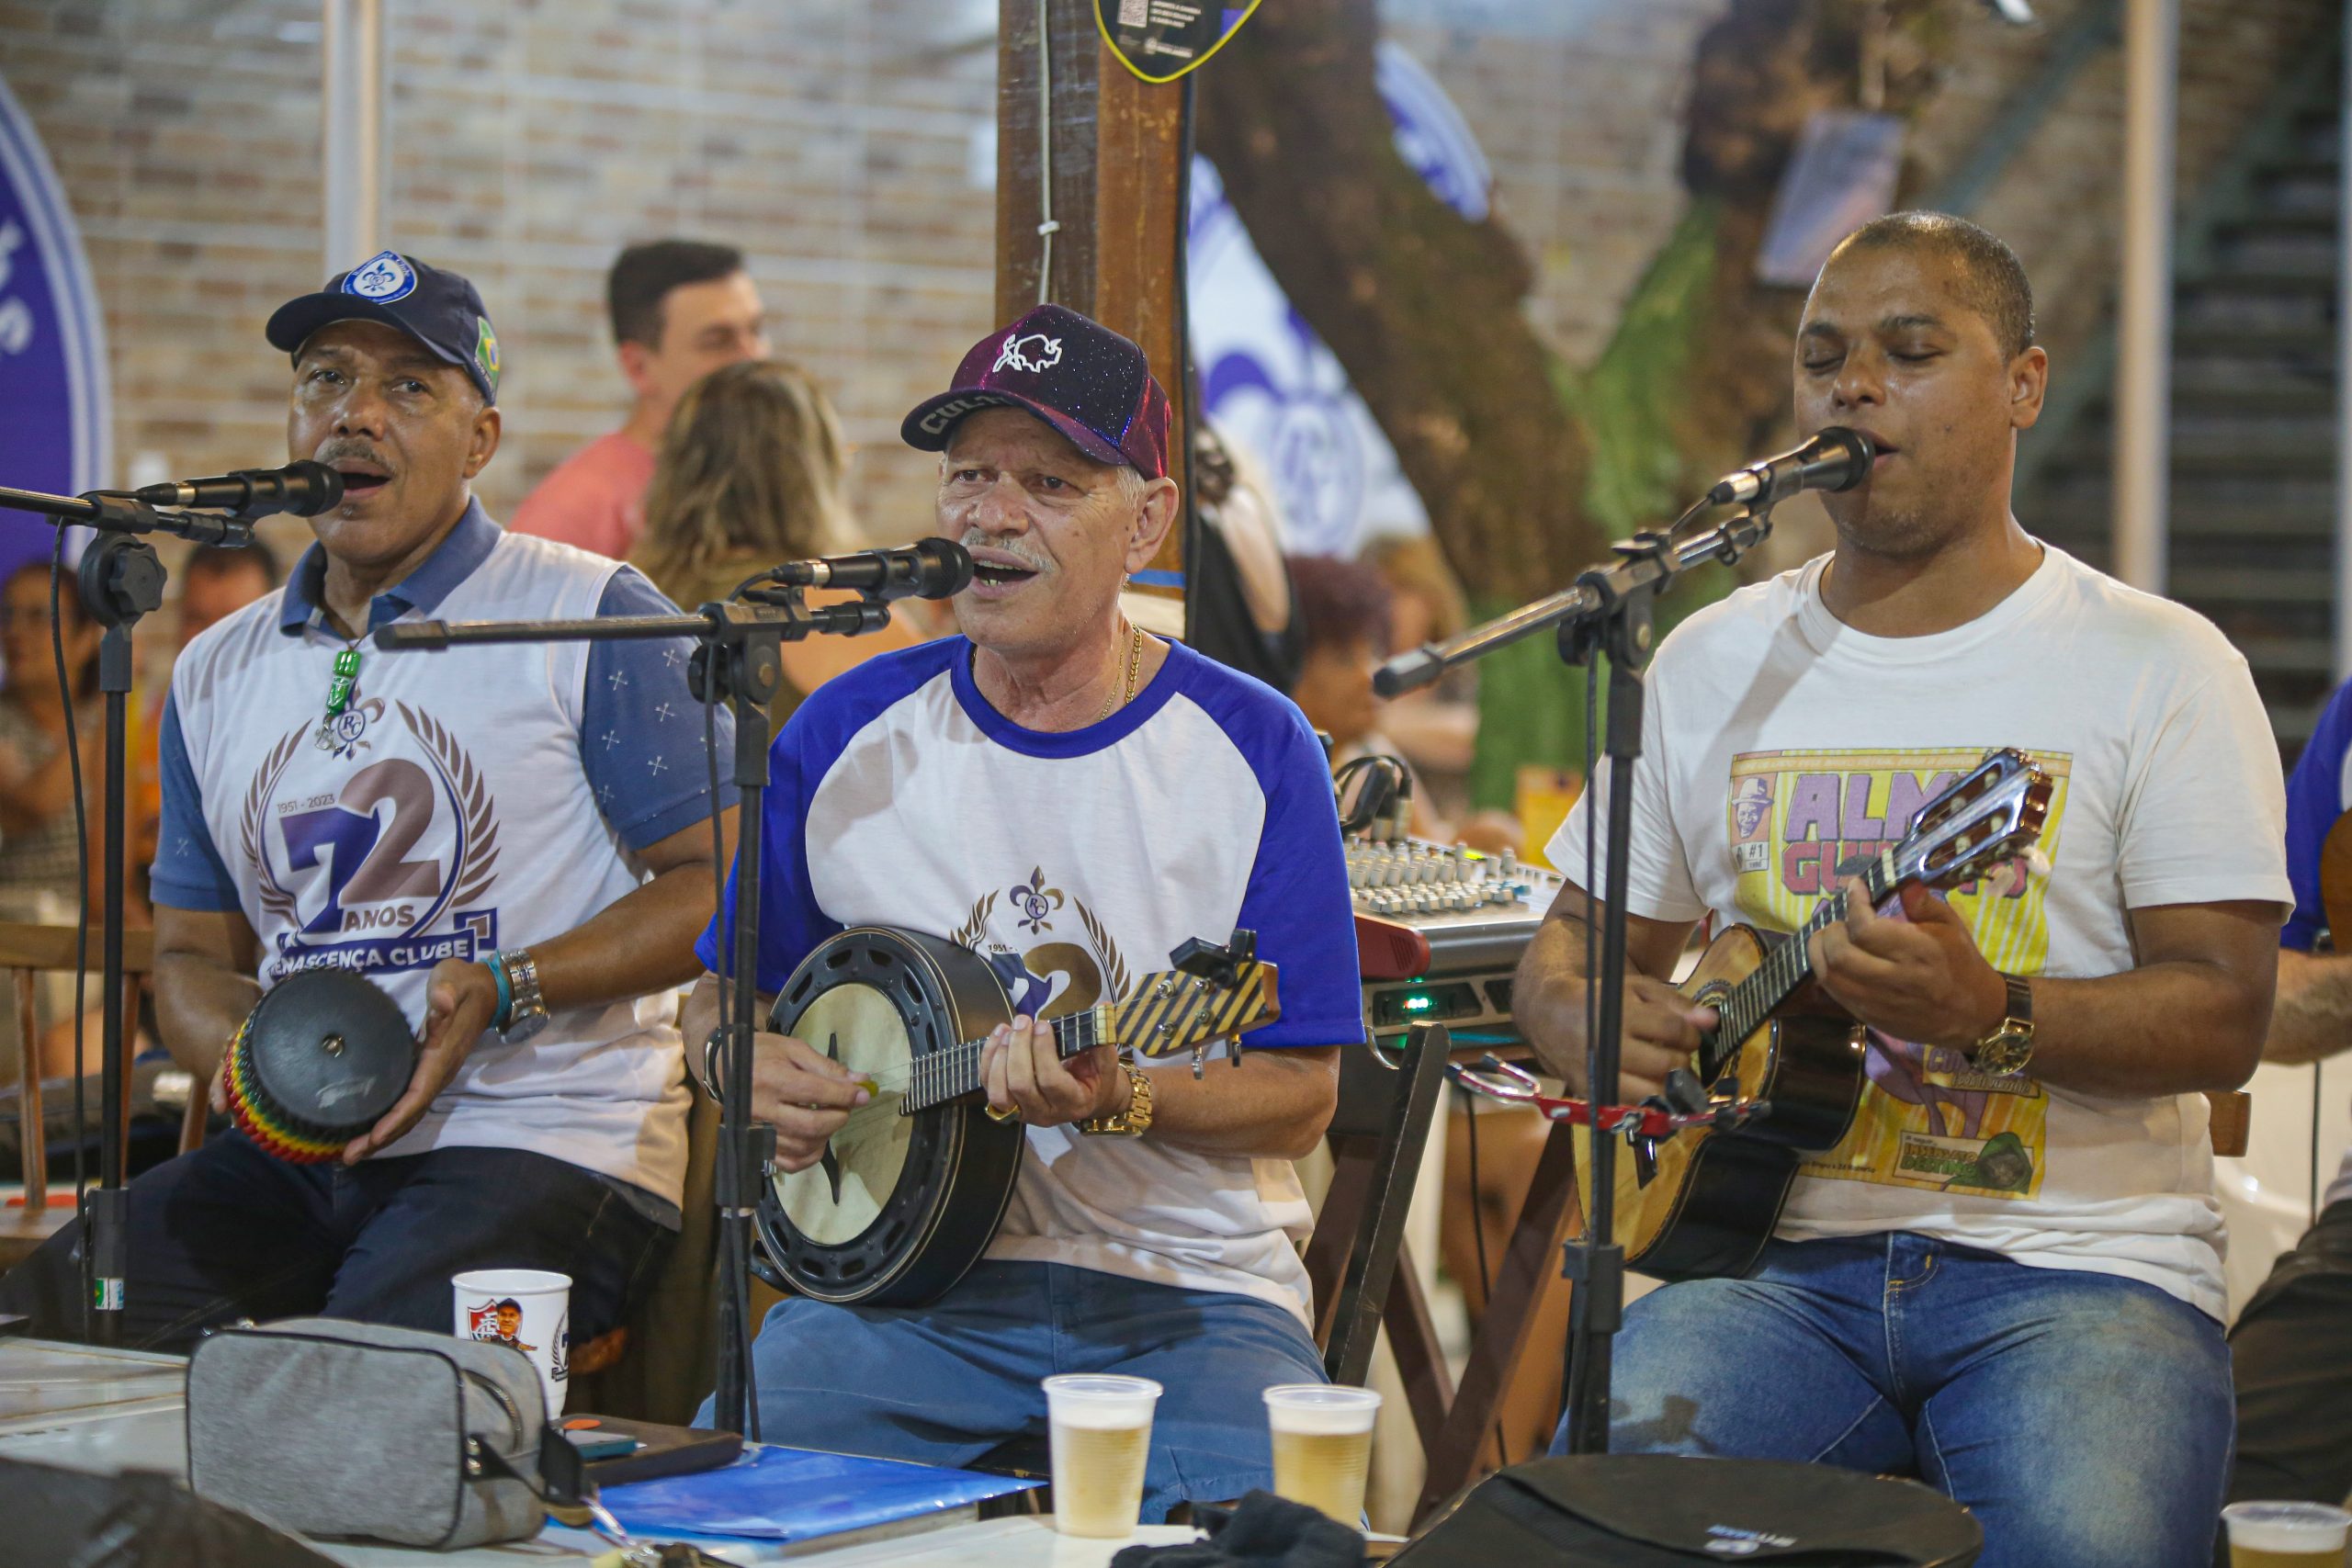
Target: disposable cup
x,y
1322,1437
529,1309
2285,1535
1100,1428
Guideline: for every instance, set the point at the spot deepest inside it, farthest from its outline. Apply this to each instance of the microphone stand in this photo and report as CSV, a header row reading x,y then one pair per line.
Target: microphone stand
x,y
120,579
1606,612
741,660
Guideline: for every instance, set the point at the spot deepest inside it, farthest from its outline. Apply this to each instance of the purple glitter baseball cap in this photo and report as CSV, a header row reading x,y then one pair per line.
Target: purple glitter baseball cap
x,y
1077,375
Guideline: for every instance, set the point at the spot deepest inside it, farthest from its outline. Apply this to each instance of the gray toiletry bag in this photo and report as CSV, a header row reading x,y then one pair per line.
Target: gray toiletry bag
x,y
335,1428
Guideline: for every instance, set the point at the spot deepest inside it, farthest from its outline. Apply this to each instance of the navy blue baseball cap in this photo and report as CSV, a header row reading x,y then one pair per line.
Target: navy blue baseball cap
x,y
440,309
1076,375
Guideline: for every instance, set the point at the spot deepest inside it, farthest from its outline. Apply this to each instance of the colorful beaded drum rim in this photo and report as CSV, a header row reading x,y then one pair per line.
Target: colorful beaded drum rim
x,y
320,1060
261,1118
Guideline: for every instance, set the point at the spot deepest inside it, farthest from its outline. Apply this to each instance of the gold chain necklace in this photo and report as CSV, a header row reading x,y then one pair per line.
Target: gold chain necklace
x,y
1134,666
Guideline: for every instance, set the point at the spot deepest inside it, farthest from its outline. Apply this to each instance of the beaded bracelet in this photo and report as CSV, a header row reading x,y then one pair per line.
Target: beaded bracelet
x,y
506,1013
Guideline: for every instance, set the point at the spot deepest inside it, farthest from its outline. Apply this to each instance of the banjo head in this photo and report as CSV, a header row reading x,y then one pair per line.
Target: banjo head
x,y
865,1223
832,1204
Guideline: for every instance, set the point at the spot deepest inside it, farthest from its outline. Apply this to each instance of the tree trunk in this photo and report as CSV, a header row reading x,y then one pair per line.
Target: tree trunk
x,y
1425,309
1527,467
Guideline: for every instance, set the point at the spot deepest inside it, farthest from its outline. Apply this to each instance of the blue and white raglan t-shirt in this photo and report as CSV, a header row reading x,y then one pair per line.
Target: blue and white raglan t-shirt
x,y
2318,792
467,799
901,798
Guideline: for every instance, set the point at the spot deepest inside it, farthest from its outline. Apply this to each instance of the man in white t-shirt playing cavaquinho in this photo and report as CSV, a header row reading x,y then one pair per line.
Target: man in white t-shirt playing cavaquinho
x,y
2006,1279
1074,798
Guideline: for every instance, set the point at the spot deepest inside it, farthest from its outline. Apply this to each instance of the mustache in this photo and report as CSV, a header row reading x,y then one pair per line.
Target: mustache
x,y
974,537
344,446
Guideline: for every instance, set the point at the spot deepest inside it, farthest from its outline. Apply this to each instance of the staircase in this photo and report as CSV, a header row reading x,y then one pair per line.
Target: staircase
x,y
2253,410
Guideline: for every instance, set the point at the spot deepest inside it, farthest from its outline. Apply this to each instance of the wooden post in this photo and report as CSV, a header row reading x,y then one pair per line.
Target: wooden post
x,y
1117,160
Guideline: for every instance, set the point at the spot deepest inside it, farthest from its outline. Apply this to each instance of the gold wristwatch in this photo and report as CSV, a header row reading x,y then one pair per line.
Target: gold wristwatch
x,y
1130,1123
2007,1049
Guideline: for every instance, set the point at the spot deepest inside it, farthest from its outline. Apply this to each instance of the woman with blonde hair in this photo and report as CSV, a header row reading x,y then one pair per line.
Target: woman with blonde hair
x,y
749,475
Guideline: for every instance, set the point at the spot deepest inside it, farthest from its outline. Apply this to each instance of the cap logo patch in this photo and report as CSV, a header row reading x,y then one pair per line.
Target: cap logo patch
x,y
1036,354
486,351
384,277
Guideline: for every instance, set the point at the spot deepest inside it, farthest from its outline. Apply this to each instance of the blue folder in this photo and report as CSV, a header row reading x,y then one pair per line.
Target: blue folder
x,y
775,1494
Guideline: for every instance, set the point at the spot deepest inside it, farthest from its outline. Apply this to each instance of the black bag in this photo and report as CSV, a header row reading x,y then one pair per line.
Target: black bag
x,y
1655,1511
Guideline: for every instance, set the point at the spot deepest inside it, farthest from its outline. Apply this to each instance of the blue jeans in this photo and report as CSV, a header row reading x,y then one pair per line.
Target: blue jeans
x,y
2083,1419
230,1232
945,1383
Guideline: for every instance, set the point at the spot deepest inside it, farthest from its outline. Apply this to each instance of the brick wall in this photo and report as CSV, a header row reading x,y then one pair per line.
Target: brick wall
x,y
837,142
530,141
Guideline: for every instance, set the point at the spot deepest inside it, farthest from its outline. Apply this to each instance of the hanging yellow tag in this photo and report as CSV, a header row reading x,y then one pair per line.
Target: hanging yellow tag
x,y
1162,39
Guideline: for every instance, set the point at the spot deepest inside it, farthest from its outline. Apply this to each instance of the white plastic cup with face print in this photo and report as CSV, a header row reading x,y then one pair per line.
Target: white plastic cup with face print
x,y
1101,1428
1322,1445
529,1309
2285,1535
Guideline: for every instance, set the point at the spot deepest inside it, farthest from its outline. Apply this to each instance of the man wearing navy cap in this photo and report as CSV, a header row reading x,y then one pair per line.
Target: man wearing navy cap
x,y
1075,800
514,843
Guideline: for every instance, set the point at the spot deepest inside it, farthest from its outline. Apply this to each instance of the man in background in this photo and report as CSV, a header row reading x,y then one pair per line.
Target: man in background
x,y
2291,1349
679,310
217,582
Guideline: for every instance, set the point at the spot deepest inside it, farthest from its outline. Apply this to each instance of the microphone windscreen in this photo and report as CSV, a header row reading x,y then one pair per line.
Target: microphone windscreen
x,y
947,569
1855,450
321,487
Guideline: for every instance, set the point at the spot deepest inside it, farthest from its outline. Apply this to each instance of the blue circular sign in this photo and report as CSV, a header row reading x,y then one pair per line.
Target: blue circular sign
x,y
55,424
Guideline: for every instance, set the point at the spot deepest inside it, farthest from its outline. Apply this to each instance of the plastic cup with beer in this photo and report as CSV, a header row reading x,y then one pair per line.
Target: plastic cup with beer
x,y
1322,1445
2285,1535
1101,1428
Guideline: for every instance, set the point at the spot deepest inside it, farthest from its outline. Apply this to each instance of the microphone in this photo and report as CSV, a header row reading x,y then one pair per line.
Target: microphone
x,y
304,489
1835,458
934,569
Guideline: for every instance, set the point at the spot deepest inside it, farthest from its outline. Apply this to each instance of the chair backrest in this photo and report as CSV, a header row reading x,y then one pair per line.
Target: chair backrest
x,y
27,951
2231,1119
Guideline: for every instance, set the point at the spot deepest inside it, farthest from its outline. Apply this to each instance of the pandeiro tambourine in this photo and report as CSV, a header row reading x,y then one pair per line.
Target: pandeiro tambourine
x,y
317,1062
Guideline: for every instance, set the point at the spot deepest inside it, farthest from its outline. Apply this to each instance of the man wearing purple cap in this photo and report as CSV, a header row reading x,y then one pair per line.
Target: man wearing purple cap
x,y
513,842
1075,800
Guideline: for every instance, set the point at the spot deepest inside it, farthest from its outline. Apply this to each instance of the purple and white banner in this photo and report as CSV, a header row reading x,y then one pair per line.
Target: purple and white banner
x,y
1271,386
55,422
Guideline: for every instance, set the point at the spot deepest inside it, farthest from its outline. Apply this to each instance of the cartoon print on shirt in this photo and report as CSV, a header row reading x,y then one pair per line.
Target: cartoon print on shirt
x,y
1927,1119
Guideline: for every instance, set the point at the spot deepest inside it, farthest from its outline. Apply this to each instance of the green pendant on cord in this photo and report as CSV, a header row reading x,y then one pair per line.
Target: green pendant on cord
x,y
346,678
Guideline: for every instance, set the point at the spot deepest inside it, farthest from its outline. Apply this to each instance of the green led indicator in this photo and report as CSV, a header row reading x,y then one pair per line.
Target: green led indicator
x,y
1419,1004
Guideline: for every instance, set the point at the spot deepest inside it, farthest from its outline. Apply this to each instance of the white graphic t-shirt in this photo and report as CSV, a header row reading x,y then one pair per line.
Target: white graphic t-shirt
x,y
1780,743
901,798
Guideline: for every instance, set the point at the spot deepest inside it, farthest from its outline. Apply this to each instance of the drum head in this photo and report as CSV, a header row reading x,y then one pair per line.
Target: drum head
x,y
855,1227
328,1053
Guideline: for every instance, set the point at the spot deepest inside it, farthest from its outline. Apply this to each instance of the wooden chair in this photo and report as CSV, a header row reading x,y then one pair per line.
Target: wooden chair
x,y
27,951
659,1364
1357,1260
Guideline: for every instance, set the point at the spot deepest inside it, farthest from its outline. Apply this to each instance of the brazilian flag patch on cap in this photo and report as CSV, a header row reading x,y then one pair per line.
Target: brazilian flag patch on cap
x,y
486,351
